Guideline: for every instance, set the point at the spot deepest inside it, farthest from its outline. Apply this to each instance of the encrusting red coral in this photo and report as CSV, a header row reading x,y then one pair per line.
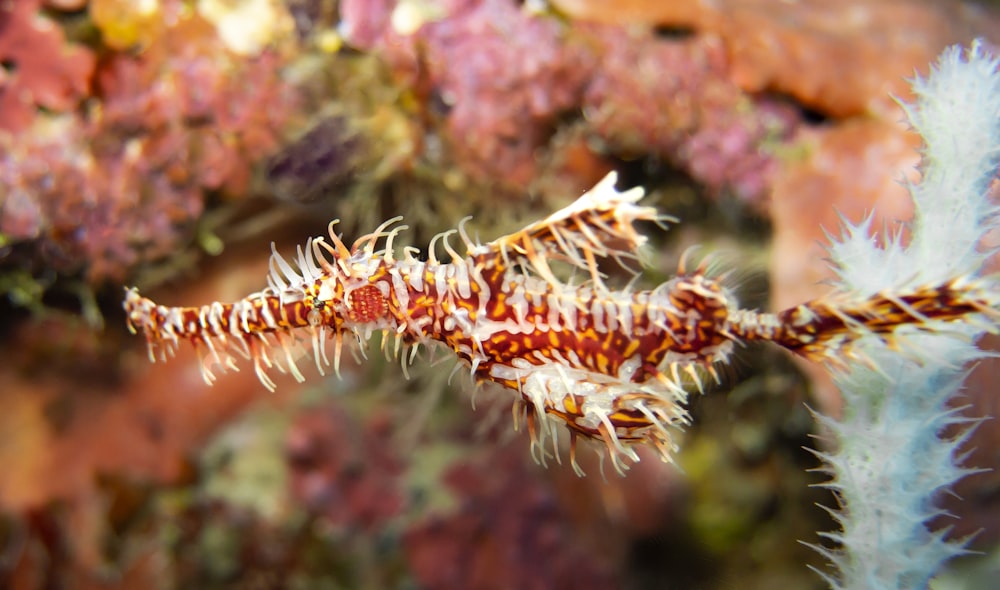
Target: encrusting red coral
x,y
838,58
38,68
694,117
499,81
492,77
125,182
505,519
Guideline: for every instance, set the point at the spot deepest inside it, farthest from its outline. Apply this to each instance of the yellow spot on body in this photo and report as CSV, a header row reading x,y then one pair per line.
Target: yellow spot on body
x,y
499,307
623,420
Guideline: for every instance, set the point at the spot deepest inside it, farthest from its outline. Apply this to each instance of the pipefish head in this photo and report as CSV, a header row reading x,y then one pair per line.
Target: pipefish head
x,y
321,300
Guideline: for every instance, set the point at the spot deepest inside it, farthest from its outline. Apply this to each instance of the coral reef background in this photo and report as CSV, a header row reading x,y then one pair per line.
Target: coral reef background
x,y
167,143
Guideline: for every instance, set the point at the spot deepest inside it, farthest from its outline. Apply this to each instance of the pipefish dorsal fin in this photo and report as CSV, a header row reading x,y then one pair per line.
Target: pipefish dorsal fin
x,y
598,225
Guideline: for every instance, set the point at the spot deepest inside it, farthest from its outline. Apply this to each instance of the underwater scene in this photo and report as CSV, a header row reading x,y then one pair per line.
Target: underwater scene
x,y
499,294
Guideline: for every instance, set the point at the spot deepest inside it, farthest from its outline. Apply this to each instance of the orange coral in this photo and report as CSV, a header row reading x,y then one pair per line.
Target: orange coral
x,y
74,412
840,58
38,68
129,25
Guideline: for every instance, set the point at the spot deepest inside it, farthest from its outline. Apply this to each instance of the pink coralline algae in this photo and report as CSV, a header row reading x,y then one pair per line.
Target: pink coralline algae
x,y
673,100
124,182
345,473
501,78
498,81
38,67
493,78
508,531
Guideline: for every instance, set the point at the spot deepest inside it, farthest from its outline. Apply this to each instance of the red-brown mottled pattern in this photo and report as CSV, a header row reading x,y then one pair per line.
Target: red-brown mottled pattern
x,y
609,365
367,304
815,328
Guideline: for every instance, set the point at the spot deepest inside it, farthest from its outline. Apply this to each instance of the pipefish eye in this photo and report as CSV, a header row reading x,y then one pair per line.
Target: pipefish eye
x,y
316,308
313,302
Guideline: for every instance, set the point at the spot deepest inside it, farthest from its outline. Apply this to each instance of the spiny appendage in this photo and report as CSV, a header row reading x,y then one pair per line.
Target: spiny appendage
x,y
825,330
322,293
609,409
278,317
599,224
610,366
250,328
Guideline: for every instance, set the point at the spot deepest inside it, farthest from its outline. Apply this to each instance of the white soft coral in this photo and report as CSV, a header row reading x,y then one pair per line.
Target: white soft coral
x,y
891,461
